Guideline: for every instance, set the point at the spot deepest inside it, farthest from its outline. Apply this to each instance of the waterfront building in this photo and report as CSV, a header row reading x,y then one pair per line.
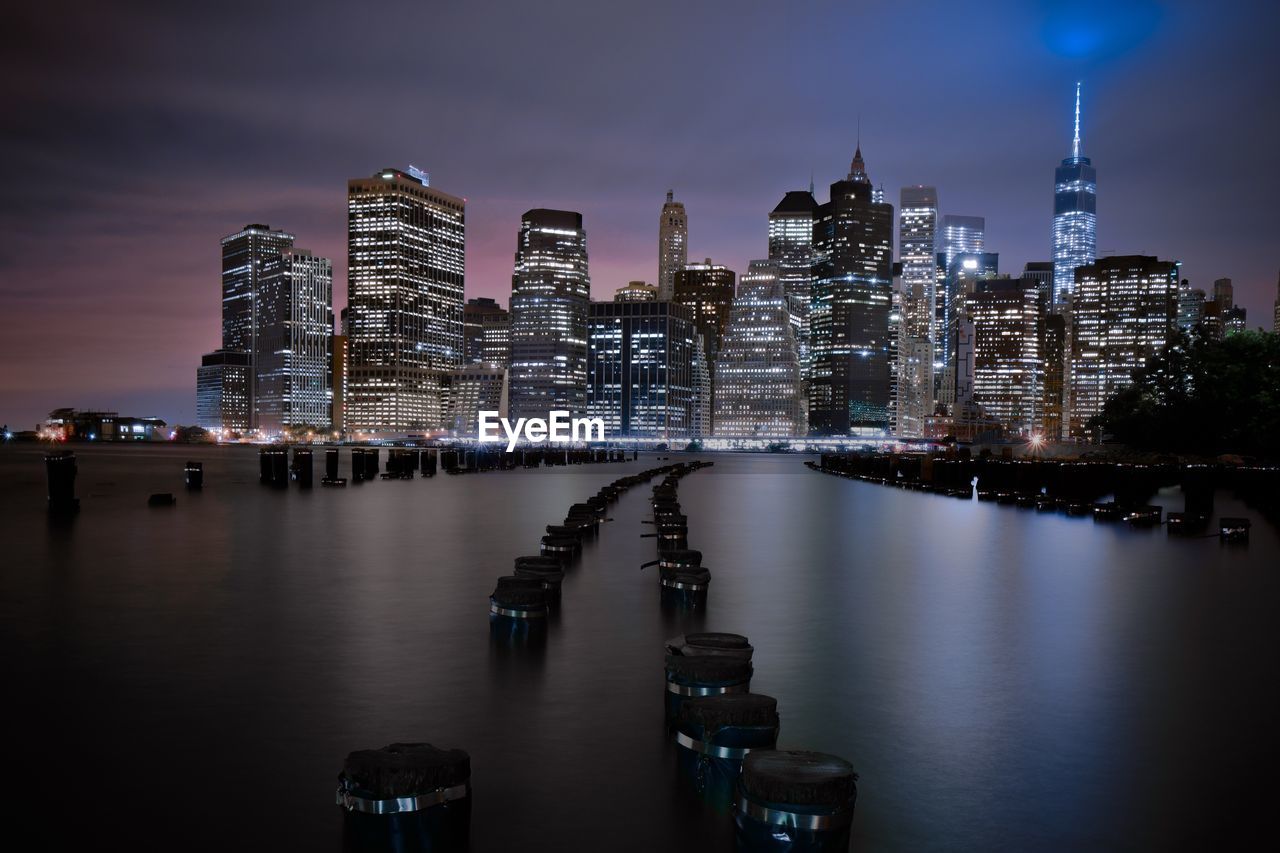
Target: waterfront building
x,y
338,372
77,425
486,328
1124,310
293,345
473,389
917,241
758,392
244,258
791,248
405,259
550,292
707,289
1053,349
673,246
1008,371
223,380
640,368
701,390
1075,216
636,291
849,314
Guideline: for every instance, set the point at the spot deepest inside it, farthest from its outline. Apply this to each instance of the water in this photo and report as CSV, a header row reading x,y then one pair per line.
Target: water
x,y
191,678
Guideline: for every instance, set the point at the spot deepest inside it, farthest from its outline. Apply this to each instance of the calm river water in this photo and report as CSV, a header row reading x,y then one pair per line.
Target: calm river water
x,y
192,678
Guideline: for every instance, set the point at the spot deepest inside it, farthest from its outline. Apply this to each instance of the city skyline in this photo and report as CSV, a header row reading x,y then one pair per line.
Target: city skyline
x,y
987,144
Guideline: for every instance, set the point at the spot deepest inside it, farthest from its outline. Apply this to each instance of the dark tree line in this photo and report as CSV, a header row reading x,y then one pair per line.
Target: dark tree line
x,y
1202,396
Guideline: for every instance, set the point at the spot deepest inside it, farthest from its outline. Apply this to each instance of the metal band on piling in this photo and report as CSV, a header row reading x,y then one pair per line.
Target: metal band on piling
x,y
670,584
518,614
795,820
687,690
400,805
710,749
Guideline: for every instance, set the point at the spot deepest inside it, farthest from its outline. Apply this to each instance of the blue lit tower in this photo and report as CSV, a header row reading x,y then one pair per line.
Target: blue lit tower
x,y
1075,216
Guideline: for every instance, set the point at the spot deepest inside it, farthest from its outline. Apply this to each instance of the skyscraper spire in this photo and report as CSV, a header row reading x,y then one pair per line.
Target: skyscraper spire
x,y
1075,143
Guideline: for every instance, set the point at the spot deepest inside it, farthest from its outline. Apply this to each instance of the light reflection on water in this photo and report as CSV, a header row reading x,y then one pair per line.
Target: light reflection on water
x,y
1000,678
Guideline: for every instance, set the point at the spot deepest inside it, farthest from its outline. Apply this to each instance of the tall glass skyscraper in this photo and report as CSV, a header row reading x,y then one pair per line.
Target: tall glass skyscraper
x,y
640,368
293,343
673,246
959,235
550,292
405,247
917,236
791,248
1075,216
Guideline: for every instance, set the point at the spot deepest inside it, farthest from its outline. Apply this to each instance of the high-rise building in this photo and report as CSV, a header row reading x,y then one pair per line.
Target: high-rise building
x,y
486,328
244,258
917,236
965,270
1075,215
293,356
1224,294
1053,349
636,291
791,248
700,399
550,292
1041,272
640,368
338,371
222,391
959,235
1124,310
707,289
849,315
758,392
473,389
1190,306
405,256
673,245
1008,371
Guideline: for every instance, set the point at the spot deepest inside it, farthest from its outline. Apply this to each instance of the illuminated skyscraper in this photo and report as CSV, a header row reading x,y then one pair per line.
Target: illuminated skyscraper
x,y
222,391
244,257
550,292
1124,309
917,234
707,289
1075,216
849,315
959,235
791,248
757,373
486,330
405,247
293,347
1008,371
1190,306
673,246
473,389
640,368
636,291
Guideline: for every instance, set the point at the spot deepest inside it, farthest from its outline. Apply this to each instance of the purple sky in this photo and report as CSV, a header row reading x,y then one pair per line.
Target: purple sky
x,y
136,137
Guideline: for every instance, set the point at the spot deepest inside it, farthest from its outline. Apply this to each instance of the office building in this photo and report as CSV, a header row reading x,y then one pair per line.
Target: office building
x,y
701,397
965,270
636,291
707,289
640,369
486,328
673,246
758,392
473,389
222,391
1008,371
1075,216
338,373
405,256
958,235
1191,307
849,314
914,344
1124,310
293,345
1041,272
550,292
791,248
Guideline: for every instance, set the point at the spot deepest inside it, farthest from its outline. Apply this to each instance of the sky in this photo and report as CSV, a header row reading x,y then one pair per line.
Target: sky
x,y
136,135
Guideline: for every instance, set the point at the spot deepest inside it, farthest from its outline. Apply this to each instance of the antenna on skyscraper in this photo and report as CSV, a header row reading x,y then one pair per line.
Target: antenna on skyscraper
x,y
1075,143
811,182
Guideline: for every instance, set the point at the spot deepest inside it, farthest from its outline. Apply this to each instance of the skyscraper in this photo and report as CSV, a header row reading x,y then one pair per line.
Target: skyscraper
x,y
405,254
959,235
486,328
1008,373
1124,310
640,368
222,391
849,316
1190,306
673,246
707,289
550,292
757,372
791,248
293,346
636,291
1075,216
473,389
244,257
964,271
917,235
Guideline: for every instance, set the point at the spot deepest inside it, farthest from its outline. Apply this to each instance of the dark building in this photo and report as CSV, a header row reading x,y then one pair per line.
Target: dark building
x,y
707,290
849,316
486,329
640,368
550,292
1053,349
222,391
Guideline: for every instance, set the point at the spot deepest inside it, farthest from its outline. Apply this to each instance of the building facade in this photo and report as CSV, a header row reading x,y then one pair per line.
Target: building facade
x,y
550,294
405,261
958,235
636,291
758,390
849,314
1008,369
640,369
917,241
673,245
791,248
222,391
293,346
1075,215
1124,310
486,329
474,389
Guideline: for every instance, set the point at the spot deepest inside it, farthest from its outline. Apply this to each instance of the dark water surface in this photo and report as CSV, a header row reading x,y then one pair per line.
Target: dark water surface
x,y
191,678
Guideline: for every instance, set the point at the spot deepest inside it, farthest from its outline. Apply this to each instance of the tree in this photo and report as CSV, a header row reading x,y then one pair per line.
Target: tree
x,y
1202,396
